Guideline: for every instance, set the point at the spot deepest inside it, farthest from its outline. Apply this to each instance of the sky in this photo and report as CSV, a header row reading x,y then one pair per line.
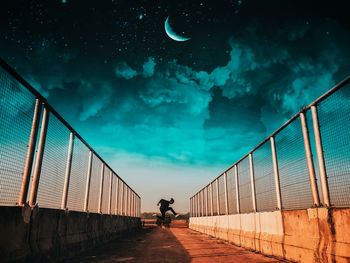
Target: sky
x,y
169,116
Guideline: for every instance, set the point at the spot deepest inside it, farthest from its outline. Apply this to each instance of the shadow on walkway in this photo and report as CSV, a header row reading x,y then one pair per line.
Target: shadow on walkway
x,y
174,245
152,244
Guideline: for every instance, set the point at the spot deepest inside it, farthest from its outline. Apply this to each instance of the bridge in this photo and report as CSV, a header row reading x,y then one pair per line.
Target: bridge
x,y
286,199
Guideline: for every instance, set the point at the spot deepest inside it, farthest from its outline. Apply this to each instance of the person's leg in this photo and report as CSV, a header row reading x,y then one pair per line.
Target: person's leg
x,y
163,214
172,210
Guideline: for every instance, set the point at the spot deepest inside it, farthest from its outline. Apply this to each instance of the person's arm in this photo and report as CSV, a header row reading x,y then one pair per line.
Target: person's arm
x,y
159,201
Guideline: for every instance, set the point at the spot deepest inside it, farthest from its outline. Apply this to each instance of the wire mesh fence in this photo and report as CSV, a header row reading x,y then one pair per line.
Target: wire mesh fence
x,y
265,190
295,184
214,196
16,116
221,190
79,170
231,191
60,177
245,187
334,118
301,165
54,163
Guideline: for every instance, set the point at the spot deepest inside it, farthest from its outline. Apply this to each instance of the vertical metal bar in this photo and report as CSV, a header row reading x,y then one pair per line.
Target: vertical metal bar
x,y
226,194
116,196
110,192
68,171
211,199
30,153
320,157
276,173
39,159
87,188
101,189
217,195
309,159
252,180
237,190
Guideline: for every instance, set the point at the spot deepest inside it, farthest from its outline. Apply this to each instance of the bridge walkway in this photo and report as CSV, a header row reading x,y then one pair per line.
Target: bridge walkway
x,y
158,245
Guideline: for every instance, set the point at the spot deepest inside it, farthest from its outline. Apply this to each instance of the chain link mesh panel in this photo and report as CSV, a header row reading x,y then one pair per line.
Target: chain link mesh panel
x,y
334,121
245,187
205,198
54,164
94,191
231,191
77,182
265,190
105,190
215,205
222,202
209,200
120,198
114,194
200,206
292,165
16,115
202,202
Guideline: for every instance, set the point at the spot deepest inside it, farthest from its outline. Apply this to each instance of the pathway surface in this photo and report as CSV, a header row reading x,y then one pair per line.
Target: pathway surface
x,y
180,245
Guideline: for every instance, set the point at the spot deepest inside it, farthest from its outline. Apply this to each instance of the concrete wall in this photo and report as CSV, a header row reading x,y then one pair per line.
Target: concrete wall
x,y
313,235
45,235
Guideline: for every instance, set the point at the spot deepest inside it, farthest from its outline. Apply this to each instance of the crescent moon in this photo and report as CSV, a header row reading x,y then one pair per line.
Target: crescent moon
x,y
170,32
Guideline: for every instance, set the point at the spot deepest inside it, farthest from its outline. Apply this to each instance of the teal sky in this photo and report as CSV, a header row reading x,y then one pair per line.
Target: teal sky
x,y
171,116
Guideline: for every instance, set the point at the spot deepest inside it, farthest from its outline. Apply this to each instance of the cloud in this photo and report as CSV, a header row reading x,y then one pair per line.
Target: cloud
x,y
123,70
148,68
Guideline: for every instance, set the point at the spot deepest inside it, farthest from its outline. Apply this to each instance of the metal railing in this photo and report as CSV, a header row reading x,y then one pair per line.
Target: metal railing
x,y
280,173
45,162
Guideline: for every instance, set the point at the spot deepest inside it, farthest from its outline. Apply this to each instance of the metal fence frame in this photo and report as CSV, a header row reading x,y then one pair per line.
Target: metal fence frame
x,y
311,177
33,164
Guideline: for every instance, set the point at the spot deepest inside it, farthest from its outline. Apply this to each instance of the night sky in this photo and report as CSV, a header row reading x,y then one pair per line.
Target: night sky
x,y
169,116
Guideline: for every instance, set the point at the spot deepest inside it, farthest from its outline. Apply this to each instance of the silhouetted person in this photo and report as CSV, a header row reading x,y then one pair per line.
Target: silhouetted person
x,y
164,206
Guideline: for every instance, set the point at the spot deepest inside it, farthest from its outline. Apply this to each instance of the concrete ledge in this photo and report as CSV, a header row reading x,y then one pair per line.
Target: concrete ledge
x,y
312,235
46,235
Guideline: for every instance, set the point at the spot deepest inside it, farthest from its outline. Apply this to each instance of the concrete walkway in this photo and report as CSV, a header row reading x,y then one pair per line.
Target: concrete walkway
x,y
170,245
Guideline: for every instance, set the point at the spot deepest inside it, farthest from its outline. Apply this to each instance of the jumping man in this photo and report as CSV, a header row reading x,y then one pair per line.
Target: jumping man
x,y
164,206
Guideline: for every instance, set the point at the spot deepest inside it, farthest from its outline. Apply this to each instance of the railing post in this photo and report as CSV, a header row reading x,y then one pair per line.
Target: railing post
x,y
252,180
110,192
320,157
101,189
226,194
217,195
211,199
68,171
39,158
30,153
276,173
237,190
309,159
87,188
